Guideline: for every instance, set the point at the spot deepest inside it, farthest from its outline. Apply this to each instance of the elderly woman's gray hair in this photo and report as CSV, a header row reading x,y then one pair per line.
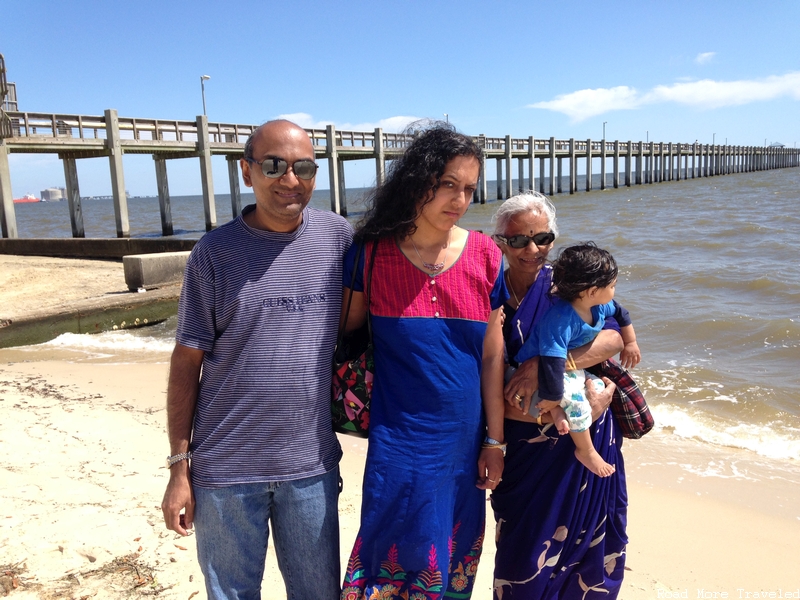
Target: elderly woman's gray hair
x,y
527,202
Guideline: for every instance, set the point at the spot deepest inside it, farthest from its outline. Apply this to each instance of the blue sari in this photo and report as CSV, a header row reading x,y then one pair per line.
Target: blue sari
x,y
560,529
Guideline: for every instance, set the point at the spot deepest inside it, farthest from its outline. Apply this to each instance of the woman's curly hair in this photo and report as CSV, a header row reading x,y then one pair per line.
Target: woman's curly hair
x,y
413,179
581,267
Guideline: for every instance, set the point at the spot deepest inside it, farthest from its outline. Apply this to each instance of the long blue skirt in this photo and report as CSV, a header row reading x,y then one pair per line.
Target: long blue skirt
x,y
560,528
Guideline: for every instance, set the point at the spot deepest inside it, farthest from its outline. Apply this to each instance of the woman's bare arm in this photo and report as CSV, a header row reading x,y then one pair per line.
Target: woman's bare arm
x,y
358,310
490,462
608,343
525,380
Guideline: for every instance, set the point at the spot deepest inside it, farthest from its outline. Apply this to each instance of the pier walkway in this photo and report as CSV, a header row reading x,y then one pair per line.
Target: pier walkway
x,y
73,137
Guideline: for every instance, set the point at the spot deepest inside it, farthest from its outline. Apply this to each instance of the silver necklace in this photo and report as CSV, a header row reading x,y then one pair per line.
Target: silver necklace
x,y
434,268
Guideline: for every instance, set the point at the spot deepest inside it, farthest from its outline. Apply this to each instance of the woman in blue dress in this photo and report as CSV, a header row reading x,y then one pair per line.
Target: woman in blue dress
x,y
436,418
560,529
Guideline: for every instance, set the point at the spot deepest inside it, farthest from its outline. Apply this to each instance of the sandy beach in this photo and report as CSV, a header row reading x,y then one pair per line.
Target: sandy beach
x,y
82,445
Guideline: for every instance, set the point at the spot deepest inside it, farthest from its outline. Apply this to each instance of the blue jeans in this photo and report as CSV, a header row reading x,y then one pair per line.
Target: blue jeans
x,y
232,525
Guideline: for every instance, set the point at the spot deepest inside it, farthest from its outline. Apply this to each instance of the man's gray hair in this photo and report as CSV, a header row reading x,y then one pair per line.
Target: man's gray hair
x,y
527,202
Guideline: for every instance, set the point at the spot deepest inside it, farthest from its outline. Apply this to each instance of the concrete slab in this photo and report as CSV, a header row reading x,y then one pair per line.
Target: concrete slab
x,y
149,271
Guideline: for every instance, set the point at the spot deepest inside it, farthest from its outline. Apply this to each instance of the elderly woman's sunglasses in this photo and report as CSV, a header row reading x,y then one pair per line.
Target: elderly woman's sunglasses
x,y
521,241
275,168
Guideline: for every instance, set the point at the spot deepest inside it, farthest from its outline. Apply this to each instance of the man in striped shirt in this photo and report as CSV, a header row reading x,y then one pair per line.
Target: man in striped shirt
x,y
248,400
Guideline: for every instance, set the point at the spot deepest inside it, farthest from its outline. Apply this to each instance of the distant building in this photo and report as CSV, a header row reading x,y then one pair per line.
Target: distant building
x,y
54,194
777,145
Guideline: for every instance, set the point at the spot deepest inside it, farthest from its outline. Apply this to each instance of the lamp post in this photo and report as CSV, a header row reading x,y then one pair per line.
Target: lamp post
x,y
604,130
713,138
447,118
648,136
203,90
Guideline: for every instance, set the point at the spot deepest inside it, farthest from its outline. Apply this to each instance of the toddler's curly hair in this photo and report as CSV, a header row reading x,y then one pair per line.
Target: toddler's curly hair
x,y
581,267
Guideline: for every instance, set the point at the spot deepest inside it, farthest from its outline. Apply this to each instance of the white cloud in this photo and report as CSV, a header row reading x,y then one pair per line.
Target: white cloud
x,y
305,120
715,94
583,104
389,125
704,57
704,94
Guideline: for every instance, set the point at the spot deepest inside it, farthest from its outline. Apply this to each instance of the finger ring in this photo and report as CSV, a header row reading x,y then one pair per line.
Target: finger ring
x,y
493,480
517,397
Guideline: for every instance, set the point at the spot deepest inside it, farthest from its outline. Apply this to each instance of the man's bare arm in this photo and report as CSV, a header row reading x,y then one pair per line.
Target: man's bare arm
x,y
182,388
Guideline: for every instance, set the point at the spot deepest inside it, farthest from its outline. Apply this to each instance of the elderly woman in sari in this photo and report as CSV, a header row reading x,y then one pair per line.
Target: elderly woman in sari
x,y
560,529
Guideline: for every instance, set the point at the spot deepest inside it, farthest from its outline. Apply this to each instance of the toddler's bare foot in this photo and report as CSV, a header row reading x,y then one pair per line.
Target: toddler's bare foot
x,y
560,420
594,462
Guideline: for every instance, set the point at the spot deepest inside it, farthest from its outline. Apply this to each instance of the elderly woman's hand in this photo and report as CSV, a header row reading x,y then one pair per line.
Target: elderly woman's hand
x,y
599,401
519,390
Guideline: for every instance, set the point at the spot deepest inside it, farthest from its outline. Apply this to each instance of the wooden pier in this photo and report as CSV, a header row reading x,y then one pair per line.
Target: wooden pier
x,y
73,137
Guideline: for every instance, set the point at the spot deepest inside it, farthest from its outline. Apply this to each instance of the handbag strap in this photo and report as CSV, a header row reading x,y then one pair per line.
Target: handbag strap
x,y
368,289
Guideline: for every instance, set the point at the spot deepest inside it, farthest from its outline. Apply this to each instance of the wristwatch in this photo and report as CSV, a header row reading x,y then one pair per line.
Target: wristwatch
x,y
176,458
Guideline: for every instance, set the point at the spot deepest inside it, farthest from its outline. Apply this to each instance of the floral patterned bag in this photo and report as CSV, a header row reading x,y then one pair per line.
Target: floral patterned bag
x,y
352,387
353,367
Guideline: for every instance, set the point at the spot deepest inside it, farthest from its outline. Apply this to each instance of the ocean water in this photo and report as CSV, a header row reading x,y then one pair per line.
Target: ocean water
x,y
708,270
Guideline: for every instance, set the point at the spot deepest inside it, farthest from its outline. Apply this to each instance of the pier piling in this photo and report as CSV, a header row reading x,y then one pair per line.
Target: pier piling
x,y
589,165
206,176
74,197
532,162
509,186
380,157
483,185
8,219
628,161
117,174
603,164
332,154
233,179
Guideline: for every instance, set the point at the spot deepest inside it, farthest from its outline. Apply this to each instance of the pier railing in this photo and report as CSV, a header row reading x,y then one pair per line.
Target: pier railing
x,y
41,129
41,132
74,137
36,128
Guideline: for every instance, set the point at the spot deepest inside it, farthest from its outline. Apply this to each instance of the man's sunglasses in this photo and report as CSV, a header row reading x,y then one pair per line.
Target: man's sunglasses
x,y
274,168
521,241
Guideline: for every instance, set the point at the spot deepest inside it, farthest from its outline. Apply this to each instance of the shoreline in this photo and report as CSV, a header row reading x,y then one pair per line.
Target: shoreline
x,y
82,441
82,446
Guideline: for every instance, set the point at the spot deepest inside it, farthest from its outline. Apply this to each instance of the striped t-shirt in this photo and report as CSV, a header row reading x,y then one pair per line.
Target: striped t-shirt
x,y
264,307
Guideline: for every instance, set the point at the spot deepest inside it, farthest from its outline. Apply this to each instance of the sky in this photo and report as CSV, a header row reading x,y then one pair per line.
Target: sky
x,y
678,71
